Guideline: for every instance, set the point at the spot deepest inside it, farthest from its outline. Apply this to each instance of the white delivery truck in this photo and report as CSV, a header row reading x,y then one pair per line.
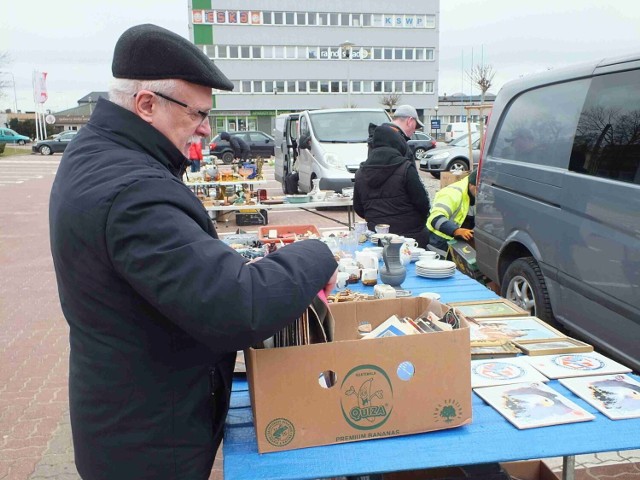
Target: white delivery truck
x,y
331,144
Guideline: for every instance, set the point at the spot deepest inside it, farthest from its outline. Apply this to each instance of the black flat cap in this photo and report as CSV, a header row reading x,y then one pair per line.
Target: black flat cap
x,y
149,52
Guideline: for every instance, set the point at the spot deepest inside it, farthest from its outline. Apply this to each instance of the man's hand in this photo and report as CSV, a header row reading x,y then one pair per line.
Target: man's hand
x,y
463,233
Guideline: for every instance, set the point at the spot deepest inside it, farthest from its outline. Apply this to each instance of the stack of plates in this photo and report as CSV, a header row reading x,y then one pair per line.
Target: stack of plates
x,y
435,268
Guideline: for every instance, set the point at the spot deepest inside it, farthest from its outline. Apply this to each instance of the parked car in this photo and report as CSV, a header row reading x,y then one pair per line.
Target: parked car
x,y
457,129
261,145
11,136
453,157
420,144
558,221
54,145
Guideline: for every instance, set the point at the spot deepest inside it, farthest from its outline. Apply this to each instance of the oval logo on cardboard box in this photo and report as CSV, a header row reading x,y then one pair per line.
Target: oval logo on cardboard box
x,y
367,397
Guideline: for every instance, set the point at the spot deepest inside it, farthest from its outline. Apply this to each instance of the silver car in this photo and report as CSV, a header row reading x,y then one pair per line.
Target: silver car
x,y
453,157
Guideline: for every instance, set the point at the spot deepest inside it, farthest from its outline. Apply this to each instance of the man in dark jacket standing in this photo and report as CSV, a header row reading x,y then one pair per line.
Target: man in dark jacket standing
x,y
157,306
388,188
240,148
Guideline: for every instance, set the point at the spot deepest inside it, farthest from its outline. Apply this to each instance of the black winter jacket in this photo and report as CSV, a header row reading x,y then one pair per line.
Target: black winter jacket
x,y
157,305
388,188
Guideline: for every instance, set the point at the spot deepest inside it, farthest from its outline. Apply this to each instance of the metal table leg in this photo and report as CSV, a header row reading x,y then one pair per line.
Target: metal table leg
x,y
568,467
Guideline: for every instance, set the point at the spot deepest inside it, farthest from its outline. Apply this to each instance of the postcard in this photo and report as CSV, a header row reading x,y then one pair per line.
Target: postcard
x,y
512,328
576,365
391,327
553,346
499,307
486,373
617,396
531,405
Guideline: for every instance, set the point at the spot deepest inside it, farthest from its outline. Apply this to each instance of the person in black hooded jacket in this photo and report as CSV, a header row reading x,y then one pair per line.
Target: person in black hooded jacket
x,y
388,188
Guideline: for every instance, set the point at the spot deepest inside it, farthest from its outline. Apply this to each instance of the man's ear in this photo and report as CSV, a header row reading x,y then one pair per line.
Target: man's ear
x,y
144,105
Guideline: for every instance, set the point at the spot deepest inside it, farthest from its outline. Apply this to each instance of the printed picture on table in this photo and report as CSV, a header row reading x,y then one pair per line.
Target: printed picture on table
x,y
513,328
485,373
489,308
617,396
530,405
576,365
553,346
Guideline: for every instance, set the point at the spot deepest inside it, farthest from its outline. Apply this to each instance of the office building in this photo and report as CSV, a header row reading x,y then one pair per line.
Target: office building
x,y
293,55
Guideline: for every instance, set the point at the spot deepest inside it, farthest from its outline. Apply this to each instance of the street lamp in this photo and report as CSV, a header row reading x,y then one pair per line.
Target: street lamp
x,y
347,46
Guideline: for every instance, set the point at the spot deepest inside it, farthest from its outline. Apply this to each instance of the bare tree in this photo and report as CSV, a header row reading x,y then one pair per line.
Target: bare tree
x,y
391,100
5,80
482,76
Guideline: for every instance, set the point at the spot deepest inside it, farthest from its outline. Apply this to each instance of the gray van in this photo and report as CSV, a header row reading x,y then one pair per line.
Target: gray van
x,y
558,206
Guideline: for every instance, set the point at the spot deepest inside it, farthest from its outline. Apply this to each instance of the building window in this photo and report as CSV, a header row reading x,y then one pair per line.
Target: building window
x,y
408,53
267,51
301,18
408,87
334,19
257,52
335,87
429,87
324,86
323,19
377,87
344,19
302,53
324,53
356,19
356,86
419,87
278,18
388,53
280,86
246,86
388,87
312,18
313,52
233,51
313,86
367,86
222,51
268,86
377,54
302,86
278,52
377,20
290,52
289,18
257,86
267,18
245,52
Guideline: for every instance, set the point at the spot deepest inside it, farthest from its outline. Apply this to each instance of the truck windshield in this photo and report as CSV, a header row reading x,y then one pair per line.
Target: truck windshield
x,y
350,126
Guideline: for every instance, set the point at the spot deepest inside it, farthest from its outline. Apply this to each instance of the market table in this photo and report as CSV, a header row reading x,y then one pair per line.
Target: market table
x,y
310,207
489,438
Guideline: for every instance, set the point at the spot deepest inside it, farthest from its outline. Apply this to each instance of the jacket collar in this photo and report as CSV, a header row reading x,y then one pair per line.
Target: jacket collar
x,y
126,128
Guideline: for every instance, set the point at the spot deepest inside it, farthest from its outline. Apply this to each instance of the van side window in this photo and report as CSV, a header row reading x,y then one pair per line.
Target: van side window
x,y
539,125
607,142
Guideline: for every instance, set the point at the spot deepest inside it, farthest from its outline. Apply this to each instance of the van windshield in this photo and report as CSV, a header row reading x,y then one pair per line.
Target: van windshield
x,y
350,126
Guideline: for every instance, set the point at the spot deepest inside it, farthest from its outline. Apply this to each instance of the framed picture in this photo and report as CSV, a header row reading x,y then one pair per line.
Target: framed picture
x,y
481,349
499,307
551,346
515,329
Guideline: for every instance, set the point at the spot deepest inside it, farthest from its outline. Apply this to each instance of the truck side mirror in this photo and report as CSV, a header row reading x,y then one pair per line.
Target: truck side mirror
x,y
304,142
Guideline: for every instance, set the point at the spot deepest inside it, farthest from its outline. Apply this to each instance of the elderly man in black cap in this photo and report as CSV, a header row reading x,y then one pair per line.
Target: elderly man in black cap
x,y
157,305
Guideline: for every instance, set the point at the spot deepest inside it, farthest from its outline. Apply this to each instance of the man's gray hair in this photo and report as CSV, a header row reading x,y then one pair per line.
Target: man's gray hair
x,y
122,90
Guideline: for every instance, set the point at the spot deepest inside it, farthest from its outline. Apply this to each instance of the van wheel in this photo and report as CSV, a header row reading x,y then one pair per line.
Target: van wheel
x,y
227,158
523,284
458,166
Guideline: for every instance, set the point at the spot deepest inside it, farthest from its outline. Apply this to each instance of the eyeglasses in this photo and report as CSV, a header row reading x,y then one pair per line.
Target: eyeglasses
x,y
193,111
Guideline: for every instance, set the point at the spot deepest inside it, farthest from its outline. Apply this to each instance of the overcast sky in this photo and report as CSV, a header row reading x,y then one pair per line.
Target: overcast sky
x,y
73,40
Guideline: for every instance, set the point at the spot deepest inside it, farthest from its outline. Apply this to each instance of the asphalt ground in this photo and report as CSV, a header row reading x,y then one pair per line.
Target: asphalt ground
x,y
35,433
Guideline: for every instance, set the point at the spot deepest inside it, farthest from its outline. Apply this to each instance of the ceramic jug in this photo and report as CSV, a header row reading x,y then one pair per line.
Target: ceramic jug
x,y
393,272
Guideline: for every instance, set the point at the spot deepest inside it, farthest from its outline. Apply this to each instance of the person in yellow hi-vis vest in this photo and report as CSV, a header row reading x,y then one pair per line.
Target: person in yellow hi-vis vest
x,y
449,217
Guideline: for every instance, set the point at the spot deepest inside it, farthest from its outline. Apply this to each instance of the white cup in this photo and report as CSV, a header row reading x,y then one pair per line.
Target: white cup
x,y
354,273
411,242
343,263
369,276
428,256
367,259
343,277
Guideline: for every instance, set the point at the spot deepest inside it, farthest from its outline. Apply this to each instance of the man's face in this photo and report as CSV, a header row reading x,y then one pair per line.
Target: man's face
x,y
407,124
179,123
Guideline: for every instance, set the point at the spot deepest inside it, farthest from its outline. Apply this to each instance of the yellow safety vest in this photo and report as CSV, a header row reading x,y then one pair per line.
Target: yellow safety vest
x,y
453,202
